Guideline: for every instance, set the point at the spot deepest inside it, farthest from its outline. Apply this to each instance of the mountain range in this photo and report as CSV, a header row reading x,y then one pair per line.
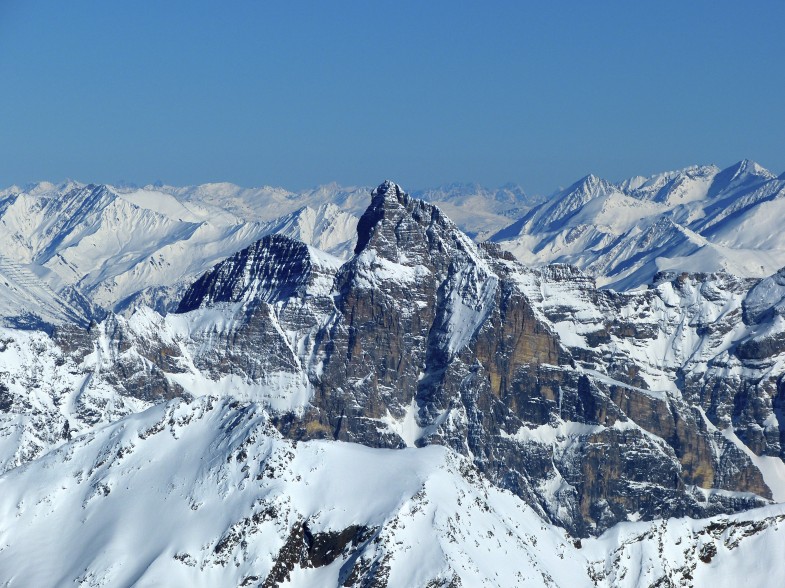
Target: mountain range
x,y
695,219
221,386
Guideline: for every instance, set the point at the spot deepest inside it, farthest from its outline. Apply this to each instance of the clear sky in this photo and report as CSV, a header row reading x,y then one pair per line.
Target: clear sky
x,y
425,92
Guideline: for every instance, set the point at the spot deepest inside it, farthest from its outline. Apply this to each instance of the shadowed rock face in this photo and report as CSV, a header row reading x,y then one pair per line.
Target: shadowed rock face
x,y
424,337
282,264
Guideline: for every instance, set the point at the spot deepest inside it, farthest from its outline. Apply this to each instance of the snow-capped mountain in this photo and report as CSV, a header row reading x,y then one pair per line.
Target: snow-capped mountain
x,y
478,211
410,409
700,219
120,247
105,247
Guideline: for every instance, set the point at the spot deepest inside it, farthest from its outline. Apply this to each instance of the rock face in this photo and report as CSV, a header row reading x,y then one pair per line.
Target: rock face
x,y
595,407
424,337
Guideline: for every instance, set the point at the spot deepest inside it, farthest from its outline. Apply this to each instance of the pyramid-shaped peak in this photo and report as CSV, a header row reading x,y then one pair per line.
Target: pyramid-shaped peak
x,y
588,184
388,198
747,166
388,188
590,179
402,229
744,175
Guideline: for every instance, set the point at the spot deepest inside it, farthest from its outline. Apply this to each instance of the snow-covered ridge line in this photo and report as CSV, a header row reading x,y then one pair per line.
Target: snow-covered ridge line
x,y
699,219
79,238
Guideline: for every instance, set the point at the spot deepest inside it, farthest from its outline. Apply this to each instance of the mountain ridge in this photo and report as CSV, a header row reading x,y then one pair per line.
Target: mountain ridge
x,y
594,411
596,225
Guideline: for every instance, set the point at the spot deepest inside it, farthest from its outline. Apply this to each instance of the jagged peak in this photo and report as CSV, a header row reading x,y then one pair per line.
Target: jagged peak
x,y
403,229
588,181
388,189
748,166
273,268
588,186
745,173
590,178
570,200
386,194
641,185
746,169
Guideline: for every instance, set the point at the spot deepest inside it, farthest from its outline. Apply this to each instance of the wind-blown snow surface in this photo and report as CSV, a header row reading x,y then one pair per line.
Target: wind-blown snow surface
x,y
699,219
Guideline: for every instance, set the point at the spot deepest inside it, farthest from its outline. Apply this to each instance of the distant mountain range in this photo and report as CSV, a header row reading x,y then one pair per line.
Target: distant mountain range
x,y
695,219
110,247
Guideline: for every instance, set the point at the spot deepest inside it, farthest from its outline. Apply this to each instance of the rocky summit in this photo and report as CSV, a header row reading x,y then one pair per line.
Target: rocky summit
x,y
423,411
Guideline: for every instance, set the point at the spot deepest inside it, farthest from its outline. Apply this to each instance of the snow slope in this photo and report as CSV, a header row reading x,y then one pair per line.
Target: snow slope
x,y
25,299
207,494
699,219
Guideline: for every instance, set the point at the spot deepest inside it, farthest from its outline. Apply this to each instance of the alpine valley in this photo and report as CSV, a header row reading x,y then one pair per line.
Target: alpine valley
x,y
461,386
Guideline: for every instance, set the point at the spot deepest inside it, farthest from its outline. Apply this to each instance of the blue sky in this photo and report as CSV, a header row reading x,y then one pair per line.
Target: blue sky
x,y
427,92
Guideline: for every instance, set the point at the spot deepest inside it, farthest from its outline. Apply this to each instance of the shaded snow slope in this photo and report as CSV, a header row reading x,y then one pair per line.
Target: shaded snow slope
x,y
26,299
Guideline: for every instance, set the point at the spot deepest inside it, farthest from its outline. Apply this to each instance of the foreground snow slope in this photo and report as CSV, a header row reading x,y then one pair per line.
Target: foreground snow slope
x,y
208,494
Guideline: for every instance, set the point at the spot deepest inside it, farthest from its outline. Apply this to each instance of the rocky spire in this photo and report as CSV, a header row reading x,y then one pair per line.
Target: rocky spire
x,y
387,195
